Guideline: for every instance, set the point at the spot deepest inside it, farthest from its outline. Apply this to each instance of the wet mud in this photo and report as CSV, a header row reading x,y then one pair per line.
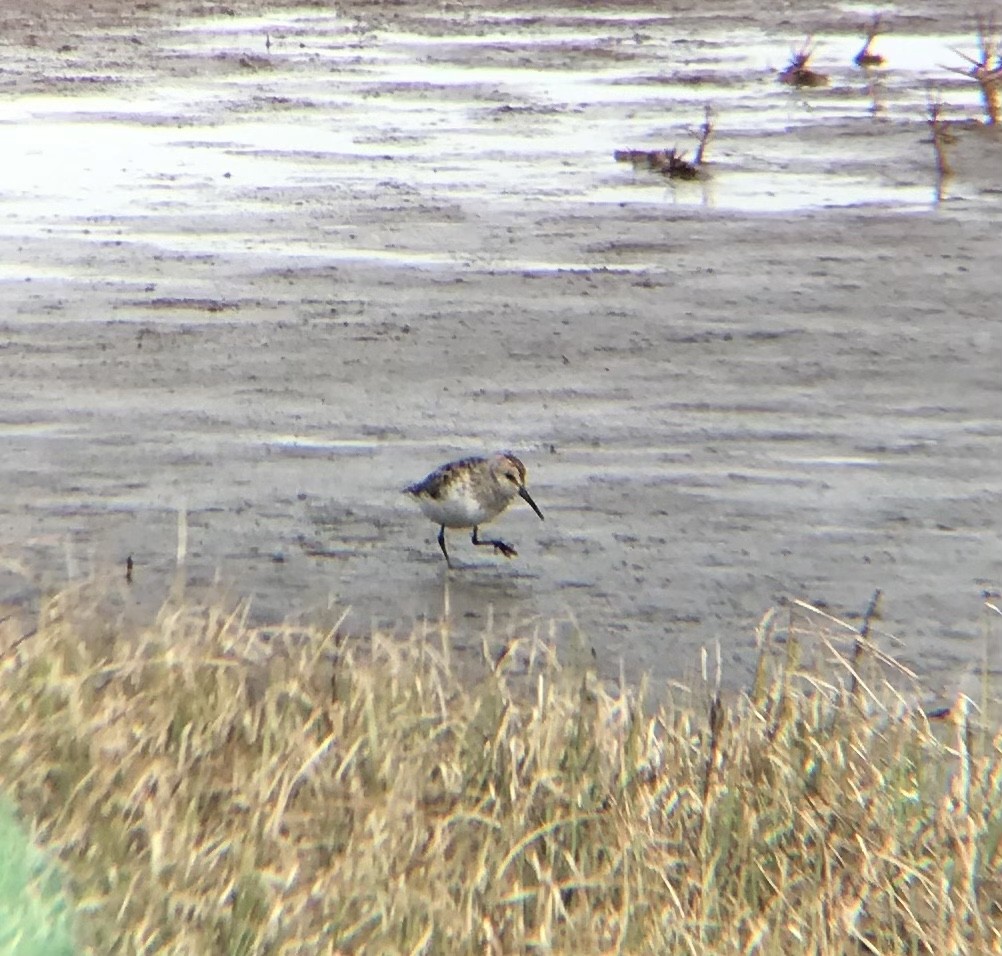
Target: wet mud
x,y
263,270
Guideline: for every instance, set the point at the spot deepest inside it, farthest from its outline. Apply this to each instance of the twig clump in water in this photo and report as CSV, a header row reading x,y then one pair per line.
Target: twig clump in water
x,y
670,162
798,72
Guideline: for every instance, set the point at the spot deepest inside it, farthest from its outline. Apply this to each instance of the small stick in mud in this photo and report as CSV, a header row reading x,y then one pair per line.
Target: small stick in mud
x,y
671,162
866,58
705,132
986,71
862,636
942,138
798,72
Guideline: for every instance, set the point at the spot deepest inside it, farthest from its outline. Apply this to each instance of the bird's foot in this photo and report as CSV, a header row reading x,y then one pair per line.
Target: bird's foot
x,y
506,549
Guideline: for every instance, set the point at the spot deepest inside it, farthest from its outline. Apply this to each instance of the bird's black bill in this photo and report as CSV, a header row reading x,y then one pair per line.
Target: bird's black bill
x,y
532,504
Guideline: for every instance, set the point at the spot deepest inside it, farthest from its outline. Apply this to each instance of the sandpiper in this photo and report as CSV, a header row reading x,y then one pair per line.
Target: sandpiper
x,y
469,492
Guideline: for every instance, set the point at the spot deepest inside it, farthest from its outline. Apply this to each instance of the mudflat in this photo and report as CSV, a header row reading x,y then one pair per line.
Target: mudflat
x,y
263,267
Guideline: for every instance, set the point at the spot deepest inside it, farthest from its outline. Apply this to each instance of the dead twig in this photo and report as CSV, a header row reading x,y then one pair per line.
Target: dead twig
x,y
866,58
671,162
705,132
985,70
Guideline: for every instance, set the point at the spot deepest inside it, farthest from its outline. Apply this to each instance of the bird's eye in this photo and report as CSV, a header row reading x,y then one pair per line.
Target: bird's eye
x,y
511,477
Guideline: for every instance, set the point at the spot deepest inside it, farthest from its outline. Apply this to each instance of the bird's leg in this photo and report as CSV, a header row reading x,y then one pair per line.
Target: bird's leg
x,y
506,549
441,544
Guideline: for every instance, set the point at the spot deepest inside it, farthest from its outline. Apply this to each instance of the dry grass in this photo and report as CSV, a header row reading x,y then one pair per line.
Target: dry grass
x,y
211,788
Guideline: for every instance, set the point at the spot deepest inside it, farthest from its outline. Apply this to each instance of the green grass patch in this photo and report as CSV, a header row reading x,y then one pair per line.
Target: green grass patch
x,y
34,914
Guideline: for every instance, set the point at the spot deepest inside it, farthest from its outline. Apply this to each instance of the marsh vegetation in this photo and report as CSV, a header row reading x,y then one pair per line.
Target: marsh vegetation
x,y
212,786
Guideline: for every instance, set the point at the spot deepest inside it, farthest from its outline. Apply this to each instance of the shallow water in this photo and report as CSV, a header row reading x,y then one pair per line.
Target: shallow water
x,y
364,108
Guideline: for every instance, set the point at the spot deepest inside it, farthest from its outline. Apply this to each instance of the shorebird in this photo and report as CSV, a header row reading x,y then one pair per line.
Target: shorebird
x,y
470,492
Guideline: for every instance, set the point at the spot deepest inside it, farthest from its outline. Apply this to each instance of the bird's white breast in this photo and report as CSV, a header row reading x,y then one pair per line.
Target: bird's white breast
x,y
456,511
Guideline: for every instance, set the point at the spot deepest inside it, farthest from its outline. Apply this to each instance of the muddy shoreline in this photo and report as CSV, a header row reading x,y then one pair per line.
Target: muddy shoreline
x,y
266,267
